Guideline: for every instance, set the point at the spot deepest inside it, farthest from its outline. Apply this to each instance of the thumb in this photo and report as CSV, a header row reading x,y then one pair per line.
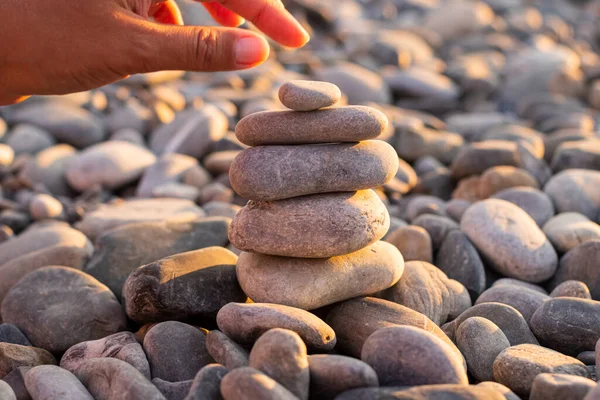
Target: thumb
x,y
193,48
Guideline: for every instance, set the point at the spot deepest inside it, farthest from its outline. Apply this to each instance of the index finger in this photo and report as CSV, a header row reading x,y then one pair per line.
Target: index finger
x,y
271,17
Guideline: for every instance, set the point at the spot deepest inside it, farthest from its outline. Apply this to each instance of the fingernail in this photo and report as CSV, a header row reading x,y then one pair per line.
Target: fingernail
x,y
251,50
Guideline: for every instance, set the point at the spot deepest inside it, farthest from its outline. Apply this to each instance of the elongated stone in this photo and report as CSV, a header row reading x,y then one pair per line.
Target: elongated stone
x,y
347,124
277,172
313,283
246,322
332,374
317,226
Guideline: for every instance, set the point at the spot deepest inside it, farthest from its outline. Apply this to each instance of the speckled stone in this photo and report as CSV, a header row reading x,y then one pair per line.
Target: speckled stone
x,y
13,356
347,124
313,283
225,351
568,230
572,289
277,172
245,322
580,264
49,382
575,190
413,242
525,300
510,240
308,95
560,387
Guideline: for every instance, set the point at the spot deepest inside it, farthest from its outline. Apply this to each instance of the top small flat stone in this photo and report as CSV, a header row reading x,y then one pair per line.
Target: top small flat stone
x,y
308,95
343,124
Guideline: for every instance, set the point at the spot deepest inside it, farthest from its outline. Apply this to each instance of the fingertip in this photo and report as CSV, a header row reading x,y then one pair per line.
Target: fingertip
x,y
250,51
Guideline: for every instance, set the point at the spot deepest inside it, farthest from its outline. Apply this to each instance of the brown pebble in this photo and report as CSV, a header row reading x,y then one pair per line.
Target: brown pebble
x,y
302,95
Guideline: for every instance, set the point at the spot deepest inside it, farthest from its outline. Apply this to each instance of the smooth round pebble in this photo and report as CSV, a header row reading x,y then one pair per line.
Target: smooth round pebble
x,y
43,206
207,383
49,382
225,351
560,387
568,230
413,242
572,289
250,384
332,374
308,95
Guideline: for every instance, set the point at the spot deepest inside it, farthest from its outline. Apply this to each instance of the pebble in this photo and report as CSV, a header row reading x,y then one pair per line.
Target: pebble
x,y
108,217
225,351
11,334
437,226
43,206
121,250
49,382
16,380
6,391
267,173
567,324
523,299
111,164
579,264
245,323
281,355
331,375
499,178
173,390
67,123
359,84
75,308
426,289
414,144
249,384
517,366
480,341
421,84
283,280
13,356
355,320
583,154
459,260
428,392
568,230
112,379
475,158
168,168
498,387
413,242
560,387
347,124
122,346
573,190
533,201
420,205
519,283
206,385
29,139
507,318
572,289
510,239
409,356
176,351
219,162
308,95
49,168
187,285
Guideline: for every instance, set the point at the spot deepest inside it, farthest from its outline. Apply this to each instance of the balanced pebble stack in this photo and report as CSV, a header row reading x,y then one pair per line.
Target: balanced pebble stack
x,y
310,232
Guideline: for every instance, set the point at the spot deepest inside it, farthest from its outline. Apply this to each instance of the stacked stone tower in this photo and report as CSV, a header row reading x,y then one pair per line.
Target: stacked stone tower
x,y
310,234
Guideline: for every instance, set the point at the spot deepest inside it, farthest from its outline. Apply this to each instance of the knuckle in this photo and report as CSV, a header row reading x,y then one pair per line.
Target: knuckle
x,y
206,49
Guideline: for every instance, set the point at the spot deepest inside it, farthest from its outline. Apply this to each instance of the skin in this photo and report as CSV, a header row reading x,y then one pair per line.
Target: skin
x,y
61,46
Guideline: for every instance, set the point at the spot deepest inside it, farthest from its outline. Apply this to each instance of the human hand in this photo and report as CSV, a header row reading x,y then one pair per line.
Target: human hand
x,y
62,46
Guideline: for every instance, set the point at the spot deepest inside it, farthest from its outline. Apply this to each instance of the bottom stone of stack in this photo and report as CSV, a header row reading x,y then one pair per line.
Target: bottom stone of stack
x,y
312,283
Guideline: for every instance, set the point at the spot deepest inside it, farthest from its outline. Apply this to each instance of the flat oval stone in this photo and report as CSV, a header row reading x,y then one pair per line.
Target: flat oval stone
x,y
480,341
49,382
580,264
345,124
308,95
284,280
122,346
572,289
111,164
13,356
248,384
187,285
426,289
268,173
437,226
316,226
392,352
519,283
510,239
359,84
281,355
507,318
356,319
568,324
109,378
75,308
48,167
574,190
245,323
568,230
176,351
517,366
475,158
560,387
413,242
525,300
332,374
